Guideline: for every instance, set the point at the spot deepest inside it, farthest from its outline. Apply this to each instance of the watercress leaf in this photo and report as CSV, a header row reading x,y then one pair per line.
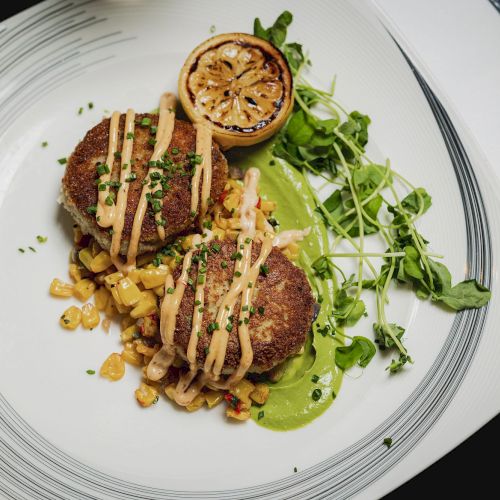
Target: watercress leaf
x,y
277,32
294,55
360,351
258,30
328,125
288,152
334,204
440,275
397,365
323,267
413,201
362,122
383,336
411,263
300,128
468,294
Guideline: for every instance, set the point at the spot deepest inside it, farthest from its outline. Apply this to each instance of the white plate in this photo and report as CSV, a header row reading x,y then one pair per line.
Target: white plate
x,y
66,435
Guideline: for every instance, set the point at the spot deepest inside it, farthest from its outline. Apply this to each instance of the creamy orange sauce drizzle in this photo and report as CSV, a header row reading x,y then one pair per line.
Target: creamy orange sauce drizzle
x,y
162,360
164,132
286,238
121,200
203,171
105,214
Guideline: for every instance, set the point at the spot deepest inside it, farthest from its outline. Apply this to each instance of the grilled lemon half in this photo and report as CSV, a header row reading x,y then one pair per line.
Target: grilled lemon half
x,y
241,85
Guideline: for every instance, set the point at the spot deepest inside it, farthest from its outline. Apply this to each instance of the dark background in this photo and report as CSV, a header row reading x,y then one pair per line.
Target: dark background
x,y
470,469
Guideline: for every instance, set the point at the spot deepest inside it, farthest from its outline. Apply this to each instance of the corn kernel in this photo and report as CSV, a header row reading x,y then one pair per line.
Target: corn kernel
x,y
241,415
214,398
114,293
75,272
130,355
128,334
218,233
151,278
143,308
159,290
197,403
232,201
121,308
111,310
71,318
90,316
128,291
268,206
145,350
146,395
187,242
170,391
113,279
84,289
113,368
86,257
135,275
260,393
100,262
234,223
60,289
106,324
232,234
242,391
101,298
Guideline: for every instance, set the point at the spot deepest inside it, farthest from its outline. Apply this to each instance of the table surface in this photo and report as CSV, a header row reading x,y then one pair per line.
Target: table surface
x,y
457,44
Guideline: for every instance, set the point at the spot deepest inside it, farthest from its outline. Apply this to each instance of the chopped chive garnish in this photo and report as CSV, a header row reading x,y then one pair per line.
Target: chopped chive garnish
x,y
152,141
229,327
170,290
250,284
212,327
90,105
198,334
223,264
146,122
316,394
216,248
117,154
314,379
237,274
131,177
201,279
264,269
45,144
261,310
248,240
32,249
92,210
175,151
207,350
90,372
162,222
260,415
21,250
130,136
388,442
109,199
246,321
197,302
252,310
102,169
41,239
212,30
244,308
62,161
80,111
236,256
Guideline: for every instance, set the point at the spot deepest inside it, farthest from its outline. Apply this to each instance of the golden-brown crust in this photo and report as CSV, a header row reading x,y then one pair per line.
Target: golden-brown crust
x,y
79,182
285,295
